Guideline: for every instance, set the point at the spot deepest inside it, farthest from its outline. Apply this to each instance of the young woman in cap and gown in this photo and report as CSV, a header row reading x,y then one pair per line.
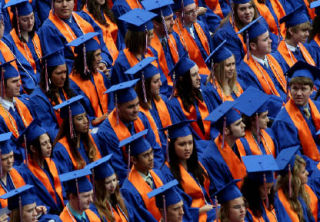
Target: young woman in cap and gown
x,y
74,146
88,81
53,89
109,204
183,165
40,170
259,190
25,43
296,196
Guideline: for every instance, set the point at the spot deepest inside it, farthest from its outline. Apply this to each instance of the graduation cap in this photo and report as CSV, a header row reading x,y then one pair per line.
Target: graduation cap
x,y
160,7
240,1
124,91
19,7
228,192
254,28
180,4
303,69
182,66
138,144
77,181
295,17
138,19
179,129
101,168
33,131
6,147
7,71
220,53
315,4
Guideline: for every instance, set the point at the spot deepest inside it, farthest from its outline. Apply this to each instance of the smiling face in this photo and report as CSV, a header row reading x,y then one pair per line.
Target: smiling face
x,y
245,13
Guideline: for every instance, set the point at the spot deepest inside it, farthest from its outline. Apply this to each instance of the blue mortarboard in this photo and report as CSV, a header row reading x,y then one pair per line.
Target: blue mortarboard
x,y
6,143
179,129
88,40
27,197
124,91
101,168
78,176
55,58
74,104
303,69
138,19
9,70
254,28
228,192
220,53
295,17
285,157
160,7
23,6
168,190
252,101
33,131
315,4
224,110
182,66
144,65
178,4
260,165
138,144
240,1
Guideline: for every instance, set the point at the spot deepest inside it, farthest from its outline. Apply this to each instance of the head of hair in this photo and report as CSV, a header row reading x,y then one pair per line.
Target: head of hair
x,y
296,28
135,41
301,80
150,97
15,26
224,212
36,144
94,9
315,28
78,65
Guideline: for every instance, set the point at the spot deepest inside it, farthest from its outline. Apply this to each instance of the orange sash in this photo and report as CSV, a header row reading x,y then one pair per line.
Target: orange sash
x,y
228,98
65,143
42,176
311,11
132,59
292,214
236,166
214,5
290,58
309,146
152,124
24,113
7,54
239,36
192,115
143,188
66,216
163,112
57,112
118,215
191,46
271,215
89,90
17,181
65,29
134,4
317,39
313,202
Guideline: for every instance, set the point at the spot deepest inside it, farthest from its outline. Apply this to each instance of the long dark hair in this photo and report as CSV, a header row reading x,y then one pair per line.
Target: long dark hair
x,y
93,9
78,65
250,191
192,163
15,26
150,97
36,144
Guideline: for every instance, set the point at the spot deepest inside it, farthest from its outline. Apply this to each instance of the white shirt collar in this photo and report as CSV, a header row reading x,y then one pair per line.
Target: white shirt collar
x,y
261,61
291,48
7,104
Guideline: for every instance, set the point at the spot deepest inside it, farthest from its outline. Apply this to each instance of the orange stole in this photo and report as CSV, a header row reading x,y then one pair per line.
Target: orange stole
x,y
214,5
271,215
317,39
313,202
239,36
66,216
152,124
311,11
143,188
292,214
191,46
132,59
57,112
7,54
290,58
66,31
118,215
17,181
65,143
163,112
192,115
11,122
42,176
134,4
236,166
223,96
89,90
309,146
156,44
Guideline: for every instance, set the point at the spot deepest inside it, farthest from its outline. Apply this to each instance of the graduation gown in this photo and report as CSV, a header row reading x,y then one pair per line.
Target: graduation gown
x,y
66,216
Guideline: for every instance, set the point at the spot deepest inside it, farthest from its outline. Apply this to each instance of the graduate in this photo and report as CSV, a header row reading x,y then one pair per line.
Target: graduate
x,y
108,201
259,191
188,100
74,146
142,178
40,170
25,43
259,68
87,80
296,196
297,122
52,90
124,121
80,196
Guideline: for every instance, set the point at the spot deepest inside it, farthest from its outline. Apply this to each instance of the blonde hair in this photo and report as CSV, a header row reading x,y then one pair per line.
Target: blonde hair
x,y
223,213
296,28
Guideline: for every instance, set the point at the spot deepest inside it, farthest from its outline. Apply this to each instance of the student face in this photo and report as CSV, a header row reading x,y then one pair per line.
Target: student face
x,y
237,210
303,174
190,14
265,190
59,76
45,145
155,85
195,77
63,8
264,44
184,147
29,213
301,35
168,20
85,199
81,123
237,129
144,161
300,93
150,36
26,22
245,13
13,87
96,59
111,183
230,67
263,120
129,111
175,212
7,161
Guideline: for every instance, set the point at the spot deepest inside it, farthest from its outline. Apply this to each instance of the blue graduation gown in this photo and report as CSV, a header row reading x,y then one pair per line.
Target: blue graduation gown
x,y
109,144
209,18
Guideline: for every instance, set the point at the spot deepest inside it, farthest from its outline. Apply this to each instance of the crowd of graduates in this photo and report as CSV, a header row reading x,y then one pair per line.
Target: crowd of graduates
x,y
160,110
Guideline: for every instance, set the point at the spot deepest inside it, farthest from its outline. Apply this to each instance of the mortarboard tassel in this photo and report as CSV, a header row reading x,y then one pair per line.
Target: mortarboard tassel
x,y
290,180
117,108
247,44
2,83
144,88
129,153
216,205
167,148
46,75
182,12
146,34
232,17
265,190
223,129
174,85
70,123
20,209
258,128
25,148
164,207
212,75
77,187
86,69
18,24
1,165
